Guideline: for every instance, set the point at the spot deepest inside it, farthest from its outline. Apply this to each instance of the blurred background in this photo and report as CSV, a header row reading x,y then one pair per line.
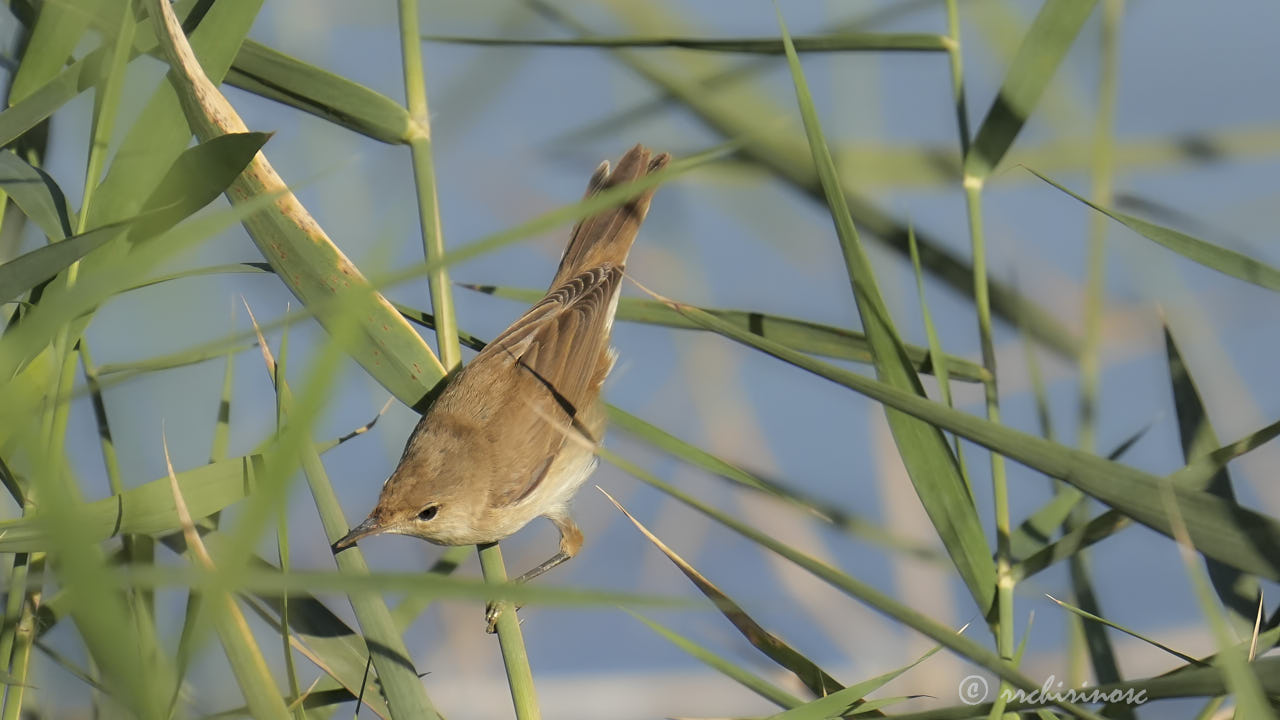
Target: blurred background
x,y
518,130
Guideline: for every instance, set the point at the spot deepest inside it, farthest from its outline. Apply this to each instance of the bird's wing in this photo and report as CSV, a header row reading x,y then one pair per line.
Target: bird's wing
x,y
563,340
559,350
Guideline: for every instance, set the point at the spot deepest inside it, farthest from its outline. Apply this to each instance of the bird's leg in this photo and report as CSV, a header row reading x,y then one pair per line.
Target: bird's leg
x,y
570,543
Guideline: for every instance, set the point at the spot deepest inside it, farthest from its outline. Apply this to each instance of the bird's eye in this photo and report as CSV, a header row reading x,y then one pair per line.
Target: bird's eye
x,y
428,512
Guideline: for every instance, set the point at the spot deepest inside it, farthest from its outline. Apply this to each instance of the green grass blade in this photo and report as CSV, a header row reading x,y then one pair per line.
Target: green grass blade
x,y
1226,531
730,669
928,458
274,75
1132,633
1233,660
844,42
197,176
739,114
829,513
851,700
313,267
241,646
802,335
324,639
1239,592
36,194
405,695
30,269
847,584
1215,257
806,671
56,33
161,132
1045,44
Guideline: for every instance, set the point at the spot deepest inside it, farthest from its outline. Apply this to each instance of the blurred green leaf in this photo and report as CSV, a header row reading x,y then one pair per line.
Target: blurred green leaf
x,y
738,110
851,700
197,176
272,74
313,267
57,31
851,586
854,524
1132,633
30,269
1042,49
802,335
36,194
1240,537
1225,261
806,671
931,465
843,42
1239,592
730,669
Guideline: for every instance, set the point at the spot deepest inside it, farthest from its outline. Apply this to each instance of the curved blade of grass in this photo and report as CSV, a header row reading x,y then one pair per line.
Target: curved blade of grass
x,y
305,258
1240,537
739,115
1233,660
1033,534
30,269
274,75
52,94
850,700
553,219
198,176
160,132
324,639
1239,592
1215,257
730,669
264,580
148,508
855,525
1042,49
844,42
57,31
404,692
928,458
36,194
847,584
806,671
1195,475
802,335
64,305
245,657
182,358
1199,682
1132,633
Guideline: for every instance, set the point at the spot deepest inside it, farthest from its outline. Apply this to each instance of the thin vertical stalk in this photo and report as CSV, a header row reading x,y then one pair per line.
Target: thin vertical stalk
x,y
957,76
1096,642
982,301
415,92
1101,178
999,481
23,640
514,656
510,639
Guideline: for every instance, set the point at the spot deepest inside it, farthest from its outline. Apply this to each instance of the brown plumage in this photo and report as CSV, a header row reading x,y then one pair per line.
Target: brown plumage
x,y
513,436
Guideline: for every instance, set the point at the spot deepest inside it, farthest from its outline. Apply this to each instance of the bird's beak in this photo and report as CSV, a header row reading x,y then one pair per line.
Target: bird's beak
x,y
370,526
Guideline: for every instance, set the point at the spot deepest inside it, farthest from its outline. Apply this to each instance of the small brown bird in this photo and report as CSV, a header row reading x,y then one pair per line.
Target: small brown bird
x,y
513,436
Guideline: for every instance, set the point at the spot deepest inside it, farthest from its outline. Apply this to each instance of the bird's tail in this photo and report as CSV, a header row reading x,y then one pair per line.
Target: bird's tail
x,y
605,238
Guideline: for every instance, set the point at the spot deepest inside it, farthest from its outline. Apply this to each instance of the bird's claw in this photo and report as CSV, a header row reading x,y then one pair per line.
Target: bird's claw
x,y
492,612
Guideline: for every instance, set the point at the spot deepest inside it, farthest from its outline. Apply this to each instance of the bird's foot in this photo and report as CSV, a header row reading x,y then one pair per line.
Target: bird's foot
x,y
492,612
